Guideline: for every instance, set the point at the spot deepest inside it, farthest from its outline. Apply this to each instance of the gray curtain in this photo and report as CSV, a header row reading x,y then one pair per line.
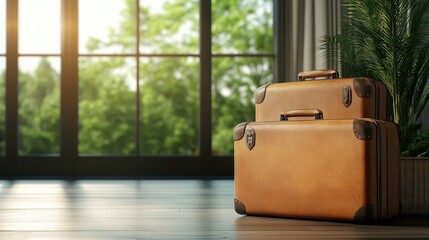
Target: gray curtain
x,y
307,22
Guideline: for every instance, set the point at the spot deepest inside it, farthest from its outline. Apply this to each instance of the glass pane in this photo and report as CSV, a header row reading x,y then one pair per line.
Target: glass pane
x,y
107,26
235,81
169,106
242,26
2,26
169,26
39,105
39,26
2,104
107,111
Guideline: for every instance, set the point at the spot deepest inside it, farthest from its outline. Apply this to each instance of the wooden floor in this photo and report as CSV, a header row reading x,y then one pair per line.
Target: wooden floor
x,y
159,209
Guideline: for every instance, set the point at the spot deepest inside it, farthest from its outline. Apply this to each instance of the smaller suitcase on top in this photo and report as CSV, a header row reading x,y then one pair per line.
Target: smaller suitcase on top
x,y
337,98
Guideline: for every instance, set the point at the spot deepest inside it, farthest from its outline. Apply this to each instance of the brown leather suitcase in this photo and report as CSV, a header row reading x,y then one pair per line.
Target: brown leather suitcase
x,y
336,98
345,169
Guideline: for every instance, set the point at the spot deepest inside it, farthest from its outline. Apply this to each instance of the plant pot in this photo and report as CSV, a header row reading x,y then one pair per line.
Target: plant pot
x,y
414,186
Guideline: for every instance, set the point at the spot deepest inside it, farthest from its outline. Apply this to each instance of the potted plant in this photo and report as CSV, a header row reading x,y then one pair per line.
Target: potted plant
x,y
388,40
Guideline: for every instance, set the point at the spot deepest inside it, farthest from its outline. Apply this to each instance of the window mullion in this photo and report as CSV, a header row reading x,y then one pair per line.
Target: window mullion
x,y
205,85
12,81
69,83
279,40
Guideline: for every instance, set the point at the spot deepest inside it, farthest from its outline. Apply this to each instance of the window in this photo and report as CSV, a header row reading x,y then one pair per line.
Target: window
x,y
107,105
242,61
2,27
39,26
107,30
120,62
169,105
235,80
39,63
132,87
39,105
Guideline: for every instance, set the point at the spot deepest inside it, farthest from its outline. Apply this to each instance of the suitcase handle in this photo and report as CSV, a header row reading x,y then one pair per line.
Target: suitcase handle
x,y
318,73
317,114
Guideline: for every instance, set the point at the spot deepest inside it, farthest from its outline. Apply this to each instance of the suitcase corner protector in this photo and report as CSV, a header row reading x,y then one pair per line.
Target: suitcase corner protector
x,y
239,207
260,94
239,131
364,214
362,129
362,87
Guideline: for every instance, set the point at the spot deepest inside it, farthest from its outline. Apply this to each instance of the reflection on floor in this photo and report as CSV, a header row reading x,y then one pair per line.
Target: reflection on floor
x,y
158,209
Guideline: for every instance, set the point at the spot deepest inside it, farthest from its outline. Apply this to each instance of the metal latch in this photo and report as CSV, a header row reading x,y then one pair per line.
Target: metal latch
x,y
347,95
250,138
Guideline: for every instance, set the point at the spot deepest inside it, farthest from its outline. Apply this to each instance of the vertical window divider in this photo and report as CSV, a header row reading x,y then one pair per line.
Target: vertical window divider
x,y
205,115
11,83
280,41
69,85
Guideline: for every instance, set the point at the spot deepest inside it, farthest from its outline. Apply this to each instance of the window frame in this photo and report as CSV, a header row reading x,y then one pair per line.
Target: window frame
x,y
69,163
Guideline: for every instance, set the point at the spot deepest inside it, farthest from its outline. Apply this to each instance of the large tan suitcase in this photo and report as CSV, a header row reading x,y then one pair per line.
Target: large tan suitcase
x,y
336,98
320,169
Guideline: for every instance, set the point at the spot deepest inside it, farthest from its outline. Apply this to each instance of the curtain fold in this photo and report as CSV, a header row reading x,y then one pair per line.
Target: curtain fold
x,y
307,22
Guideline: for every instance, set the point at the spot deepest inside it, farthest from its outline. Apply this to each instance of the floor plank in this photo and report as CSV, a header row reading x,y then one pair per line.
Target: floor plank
x,y
160,209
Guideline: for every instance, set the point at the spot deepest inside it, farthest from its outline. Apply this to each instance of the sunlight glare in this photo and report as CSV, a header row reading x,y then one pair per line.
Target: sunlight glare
x,y
95,22
2,26
2,64
39,26
37,187
30,64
